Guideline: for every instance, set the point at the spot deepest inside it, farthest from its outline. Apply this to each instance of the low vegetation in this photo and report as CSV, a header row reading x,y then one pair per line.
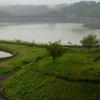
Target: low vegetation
x,y
22,55
18,42
74,76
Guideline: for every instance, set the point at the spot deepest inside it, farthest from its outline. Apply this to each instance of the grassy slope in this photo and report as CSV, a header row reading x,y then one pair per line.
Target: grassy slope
x,y
45,80
25,55
95,11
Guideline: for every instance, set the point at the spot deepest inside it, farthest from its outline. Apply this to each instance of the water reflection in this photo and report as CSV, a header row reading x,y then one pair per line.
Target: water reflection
x,y
4,54
44,32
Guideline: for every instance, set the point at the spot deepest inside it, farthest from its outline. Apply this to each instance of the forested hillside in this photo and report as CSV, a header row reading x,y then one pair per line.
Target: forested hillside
x,y
82,8
25,10
86,8
4,14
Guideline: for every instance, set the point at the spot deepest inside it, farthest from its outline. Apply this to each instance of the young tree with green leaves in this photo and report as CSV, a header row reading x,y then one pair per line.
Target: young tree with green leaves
x,y
90,41
55,49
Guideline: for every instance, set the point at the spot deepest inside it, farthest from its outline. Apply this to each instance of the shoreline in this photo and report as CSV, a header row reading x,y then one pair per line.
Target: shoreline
x,y
84,20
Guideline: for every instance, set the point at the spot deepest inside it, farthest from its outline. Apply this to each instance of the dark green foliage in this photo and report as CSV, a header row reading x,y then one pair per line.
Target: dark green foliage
x,y
55,49
97,59
38,59
90,41
16,67
97,50
26,61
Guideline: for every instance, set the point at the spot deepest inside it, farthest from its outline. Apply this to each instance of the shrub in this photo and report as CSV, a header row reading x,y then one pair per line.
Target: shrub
x,y
55,49
90,41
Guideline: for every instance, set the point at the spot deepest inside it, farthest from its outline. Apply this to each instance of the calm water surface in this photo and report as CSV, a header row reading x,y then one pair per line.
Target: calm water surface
x,y
4,54
44,32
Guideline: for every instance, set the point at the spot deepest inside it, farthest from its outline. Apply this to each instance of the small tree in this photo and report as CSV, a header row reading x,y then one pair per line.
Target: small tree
x,y
89,41
55,49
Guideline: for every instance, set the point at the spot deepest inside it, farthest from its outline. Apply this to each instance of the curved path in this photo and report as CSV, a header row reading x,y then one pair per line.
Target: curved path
x,y
2,78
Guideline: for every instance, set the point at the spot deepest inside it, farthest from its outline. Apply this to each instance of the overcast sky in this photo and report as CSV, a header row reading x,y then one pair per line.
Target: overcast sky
x,y
39,2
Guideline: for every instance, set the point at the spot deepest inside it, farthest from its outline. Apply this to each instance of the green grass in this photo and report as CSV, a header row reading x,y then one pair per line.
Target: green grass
x,y
18,42
33,85
23,55
76,65
4,70
74,76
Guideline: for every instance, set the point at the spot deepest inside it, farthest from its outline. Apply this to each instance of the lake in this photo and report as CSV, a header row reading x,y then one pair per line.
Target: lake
x,y
45,32
4,54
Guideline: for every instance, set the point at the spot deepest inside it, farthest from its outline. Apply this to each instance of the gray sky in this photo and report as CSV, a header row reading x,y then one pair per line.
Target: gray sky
x,y
39,2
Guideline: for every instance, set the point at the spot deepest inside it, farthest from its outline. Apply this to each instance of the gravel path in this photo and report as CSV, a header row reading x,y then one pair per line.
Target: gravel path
x,y
2,78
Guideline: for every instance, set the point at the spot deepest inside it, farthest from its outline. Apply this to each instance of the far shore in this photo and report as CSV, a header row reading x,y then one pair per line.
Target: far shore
x,y
23,19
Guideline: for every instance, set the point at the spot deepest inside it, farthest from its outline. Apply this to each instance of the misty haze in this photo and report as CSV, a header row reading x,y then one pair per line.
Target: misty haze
x,y
49,50
42,23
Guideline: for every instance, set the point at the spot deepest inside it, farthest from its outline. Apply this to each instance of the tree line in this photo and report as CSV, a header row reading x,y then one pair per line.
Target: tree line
x,y
82,8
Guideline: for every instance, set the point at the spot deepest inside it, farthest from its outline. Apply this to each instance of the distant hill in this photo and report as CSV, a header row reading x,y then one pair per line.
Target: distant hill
x,y
4,14
25,10
83,8
60,6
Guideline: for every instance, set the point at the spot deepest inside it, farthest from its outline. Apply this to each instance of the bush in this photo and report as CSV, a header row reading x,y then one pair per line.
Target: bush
x,y
90,41
55,49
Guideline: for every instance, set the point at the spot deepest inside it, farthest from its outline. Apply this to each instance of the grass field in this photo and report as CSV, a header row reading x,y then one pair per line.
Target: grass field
x,y
74,76
24,55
